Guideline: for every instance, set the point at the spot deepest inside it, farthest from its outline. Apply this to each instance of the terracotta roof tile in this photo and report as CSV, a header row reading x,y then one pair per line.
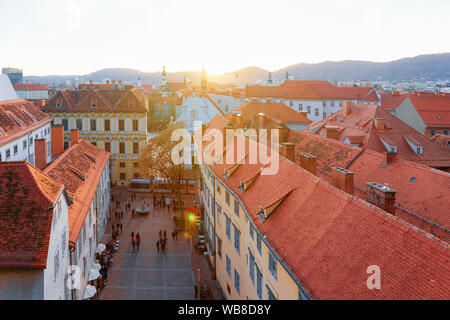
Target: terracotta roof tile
x,y
27,196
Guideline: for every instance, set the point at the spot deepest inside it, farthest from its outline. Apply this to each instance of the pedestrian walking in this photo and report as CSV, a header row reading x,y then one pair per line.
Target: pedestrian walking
x,y
157,245
121,227
163,246
164,234
132,239
160,233
138,240
118,226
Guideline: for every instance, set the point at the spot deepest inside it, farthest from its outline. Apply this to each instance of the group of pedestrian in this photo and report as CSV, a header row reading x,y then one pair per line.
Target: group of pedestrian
x,y
135,240
162,241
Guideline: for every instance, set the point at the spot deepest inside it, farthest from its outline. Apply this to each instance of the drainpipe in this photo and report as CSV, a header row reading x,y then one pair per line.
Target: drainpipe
x,y
71,250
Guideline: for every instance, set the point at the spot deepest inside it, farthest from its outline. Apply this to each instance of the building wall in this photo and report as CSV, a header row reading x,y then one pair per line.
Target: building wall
x,y
100,136
27,152
21,284
32,94
213,195
58,254
225,102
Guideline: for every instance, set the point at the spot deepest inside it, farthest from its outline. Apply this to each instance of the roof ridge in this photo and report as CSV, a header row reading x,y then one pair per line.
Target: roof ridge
x,y
32,170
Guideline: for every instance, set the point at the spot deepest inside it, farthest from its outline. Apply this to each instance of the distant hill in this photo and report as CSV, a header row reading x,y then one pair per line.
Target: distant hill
x,y
425,67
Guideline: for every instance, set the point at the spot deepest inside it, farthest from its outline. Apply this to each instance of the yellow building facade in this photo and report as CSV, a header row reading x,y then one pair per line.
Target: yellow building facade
x,y
113,119
245,265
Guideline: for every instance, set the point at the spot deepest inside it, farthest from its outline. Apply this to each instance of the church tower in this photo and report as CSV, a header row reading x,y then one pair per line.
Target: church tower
x,y
203,81
164,79
269,80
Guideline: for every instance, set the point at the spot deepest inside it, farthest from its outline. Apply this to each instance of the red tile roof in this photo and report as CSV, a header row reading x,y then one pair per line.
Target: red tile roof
x,y
442,141
81,160
361,122
30,87
27,196
421,190
433,109
18,117
274,111
107,100
328,245
392,101
311,90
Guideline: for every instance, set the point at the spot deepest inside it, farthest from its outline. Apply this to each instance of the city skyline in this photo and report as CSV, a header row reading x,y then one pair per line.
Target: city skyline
x,y
144,35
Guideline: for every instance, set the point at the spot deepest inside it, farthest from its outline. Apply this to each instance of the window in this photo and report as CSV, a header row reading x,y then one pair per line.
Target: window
x,y
135,147
122,164
272,264
237,280
135,125
16,149
80,124
136,175
316,112
31,141
93,125
121,125
65,124
136,165
227,198
107,125
8,154
291,103
218,188
94,143
252,266
258,282
219,246
252,232
445,132
108,146
324,103
308,109
237,239
122,147
218,214
300,107
63,243
324,115
228,262
226,108
24,144
228,227
258,244
432,132
122,176
332,103
236,207
56,265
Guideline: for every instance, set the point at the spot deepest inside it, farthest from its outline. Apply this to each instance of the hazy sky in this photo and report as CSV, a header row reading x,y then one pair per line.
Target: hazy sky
x,y
80,36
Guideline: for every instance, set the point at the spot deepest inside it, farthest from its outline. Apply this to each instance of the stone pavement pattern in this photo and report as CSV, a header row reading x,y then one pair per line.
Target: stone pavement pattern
x,y
147,274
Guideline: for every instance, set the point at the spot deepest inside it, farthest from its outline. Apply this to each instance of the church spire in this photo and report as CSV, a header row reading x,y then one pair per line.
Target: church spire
x,y
164,78
203,80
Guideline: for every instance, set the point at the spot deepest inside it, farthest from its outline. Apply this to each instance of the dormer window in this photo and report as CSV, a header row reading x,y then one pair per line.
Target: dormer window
x,y
58,105
415,146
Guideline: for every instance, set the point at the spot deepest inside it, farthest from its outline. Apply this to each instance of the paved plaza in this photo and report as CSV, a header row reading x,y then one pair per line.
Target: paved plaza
x,y
147,274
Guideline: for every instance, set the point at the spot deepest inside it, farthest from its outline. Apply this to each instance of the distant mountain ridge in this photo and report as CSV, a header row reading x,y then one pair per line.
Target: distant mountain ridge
x,y
434,67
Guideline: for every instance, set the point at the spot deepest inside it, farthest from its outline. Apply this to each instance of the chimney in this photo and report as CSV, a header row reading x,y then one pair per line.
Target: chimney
x,y
342,179
57,135
308,162
40,153
261,116
288,150
74,136
346,108
224,135
390,156
381,196
333,132
203,129
379,124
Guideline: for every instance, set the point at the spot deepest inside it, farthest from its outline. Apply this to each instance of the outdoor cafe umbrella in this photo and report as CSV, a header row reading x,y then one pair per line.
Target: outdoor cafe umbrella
x,y
93,274
89,292
100,248
96,266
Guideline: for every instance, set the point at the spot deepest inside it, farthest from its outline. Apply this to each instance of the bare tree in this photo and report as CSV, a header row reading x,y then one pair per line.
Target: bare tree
x,y
156,160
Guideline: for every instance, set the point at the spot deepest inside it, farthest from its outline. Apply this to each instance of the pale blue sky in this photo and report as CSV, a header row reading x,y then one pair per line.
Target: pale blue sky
x,y
77,37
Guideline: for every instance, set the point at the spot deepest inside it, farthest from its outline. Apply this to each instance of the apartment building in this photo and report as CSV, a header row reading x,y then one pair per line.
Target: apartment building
x,y
114,120
293,235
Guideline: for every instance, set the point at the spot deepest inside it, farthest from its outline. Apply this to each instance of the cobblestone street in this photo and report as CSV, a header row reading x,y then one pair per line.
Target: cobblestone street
x,y
147,274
